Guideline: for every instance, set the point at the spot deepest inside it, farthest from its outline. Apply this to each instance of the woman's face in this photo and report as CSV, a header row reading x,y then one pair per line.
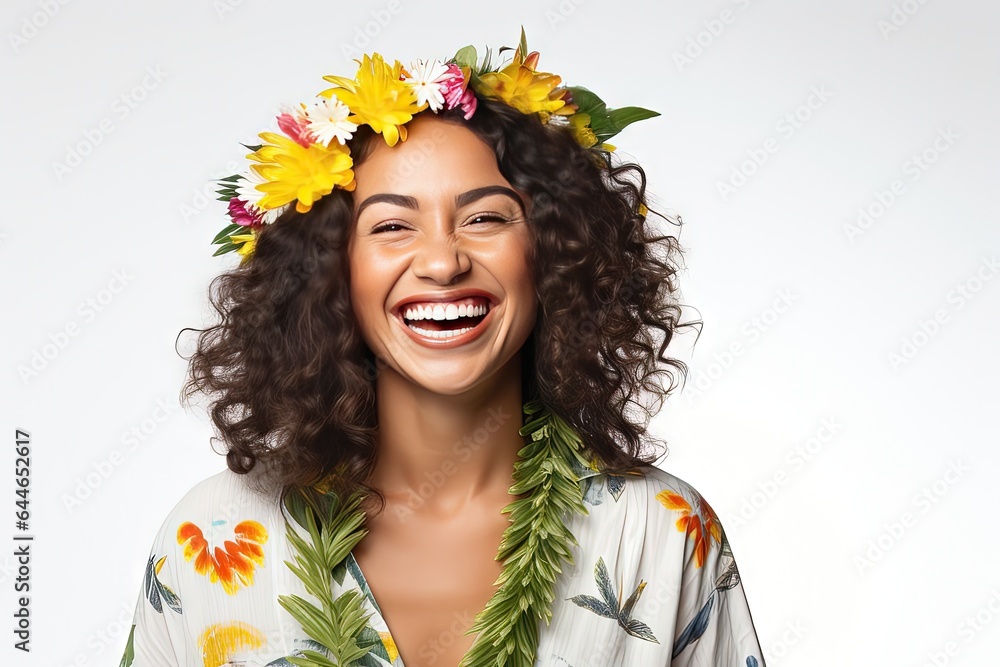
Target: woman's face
x,y
439,238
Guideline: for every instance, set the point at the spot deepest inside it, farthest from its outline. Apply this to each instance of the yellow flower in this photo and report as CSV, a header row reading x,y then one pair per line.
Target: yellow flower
x,y
249,242
378,97
219,642
390,646
296,173
579,124
520,86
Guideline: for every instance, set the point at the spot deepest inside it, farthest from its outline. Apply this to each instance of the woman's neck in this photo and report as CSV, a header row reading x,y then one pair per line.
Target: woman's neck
x,y
438,452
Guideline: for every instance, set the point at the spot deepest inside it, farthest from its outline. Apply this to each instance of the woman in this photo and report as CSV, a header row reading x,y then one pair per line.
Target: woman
x,y
425,366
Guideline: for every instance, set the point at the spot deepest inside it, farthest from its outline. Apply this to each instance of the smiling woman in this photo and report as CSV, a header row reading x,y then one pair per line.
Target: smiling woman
x,y
453,239
432,372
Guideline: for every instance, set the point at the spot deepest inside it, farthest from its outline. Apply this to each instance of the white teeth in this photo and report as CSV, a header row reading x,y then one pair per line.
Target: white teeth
x,y
440,334
443,312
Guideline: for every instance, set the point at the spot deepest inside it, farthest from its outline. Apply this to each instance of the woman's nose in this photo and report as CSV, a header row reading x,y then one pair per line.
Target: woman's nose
x,y
441,258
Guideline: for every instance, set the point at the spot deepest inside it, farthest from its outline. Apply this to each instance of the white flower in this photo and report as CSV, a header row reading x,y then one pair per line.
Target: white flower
x,y
424,75
328,121
556,119
247,192
273,214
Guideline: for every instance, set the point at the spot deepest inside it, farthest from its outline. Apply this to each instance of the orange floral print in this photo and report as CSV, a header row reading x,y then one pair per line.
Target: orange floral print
x,y
701,525
232,567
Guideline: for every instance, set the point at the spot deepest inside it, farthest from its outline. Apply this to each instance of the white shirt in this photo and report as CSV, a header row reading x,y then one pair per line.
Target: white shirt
x,y
217,567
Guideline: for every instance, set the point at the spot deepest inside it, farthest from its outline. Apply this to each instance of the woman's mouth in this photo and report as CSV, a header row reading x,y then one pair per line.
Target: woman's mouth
x,y
458,320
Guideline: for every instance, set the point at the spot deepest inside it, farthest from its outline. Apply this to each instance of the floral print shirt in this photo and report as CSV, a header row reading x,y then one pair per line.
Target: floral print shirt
x,y
653,582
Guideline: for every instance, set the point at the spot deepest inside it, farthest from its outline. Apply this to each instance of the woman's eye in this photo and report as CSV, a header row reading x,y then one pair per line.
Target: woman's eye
x,y
477,219
486,217
387,227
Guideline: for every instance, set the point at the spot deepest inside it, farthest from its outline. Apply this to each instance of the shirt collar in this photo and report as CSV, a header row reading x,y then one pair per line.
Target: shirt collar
x,y
583,472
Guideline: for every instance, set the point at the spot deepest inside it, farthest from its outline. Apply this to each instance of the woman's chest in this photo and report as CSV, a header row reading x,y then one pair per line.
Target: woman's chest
x,y
429,583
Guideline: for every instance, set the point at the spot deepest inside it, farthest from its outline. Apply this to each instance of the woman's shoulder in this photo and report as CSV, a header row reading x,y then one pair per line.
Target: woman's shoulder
x,y
664,486
658,511
226,488
643,483
223,500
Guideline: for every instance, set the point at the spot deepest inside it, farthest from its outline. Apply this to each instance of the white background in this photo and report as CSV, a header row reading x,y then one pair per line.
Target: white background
x,y
827,458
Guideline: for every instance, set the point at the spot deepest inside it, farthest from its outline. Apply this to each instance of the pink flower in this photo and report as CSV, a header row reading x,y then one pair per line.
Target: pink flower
x,y
295,124
242,214
456,92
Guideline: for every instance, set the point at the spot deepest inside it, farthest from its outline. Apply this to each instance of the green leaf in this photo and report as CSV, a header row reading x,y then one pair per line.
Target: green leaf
x,y
627,115
466,57
333,528
587,101
129,654
311,659
508,626
229,247
533,548
225,233
606,122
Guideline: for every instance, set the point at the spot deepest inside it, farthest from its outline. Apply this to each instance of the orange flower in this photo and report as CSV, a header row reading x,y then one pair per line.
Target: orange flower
x,y
702,525
521,86
234,566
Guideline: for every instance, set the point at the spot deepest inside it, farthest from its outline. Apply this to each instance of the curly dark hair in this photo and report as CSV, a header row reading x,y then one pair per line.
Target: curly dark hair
x,y
294,382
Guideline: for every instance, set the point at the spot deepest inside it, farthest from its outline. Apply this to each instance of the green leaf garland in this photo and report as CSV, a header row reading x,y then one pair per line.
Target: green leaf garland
x,y
534,544
532,549
334,529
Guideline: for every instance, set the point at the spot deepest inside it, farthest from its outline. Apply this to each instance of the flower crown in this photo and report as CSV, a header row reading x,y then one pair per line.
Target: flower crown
x,y
310,156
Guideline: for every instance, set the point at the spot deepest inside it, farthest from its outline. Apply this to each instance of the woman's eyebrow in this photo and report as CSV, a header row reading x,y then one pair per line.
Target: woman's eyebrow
x,y
461,200
467,198
399,200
